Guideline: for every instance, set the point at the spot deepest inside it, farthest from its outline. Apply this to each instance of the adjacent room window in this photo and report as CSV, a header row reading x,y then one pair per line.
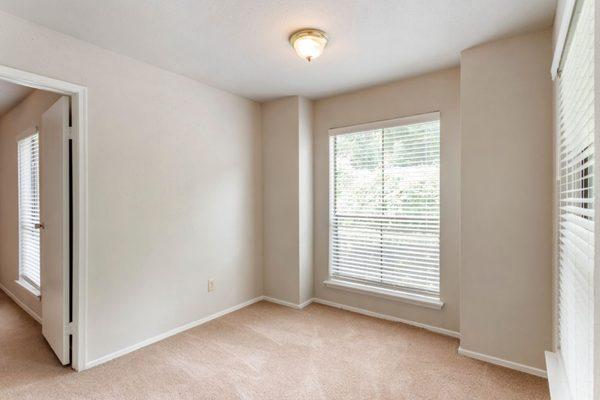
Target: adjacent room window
x,y
29,210
385,205
576,160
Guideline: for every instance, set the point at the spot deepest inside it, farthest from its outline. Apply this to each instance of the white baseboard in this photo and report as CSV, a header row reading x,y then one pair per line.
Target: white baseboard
x,y
503,363
467,353
306,303
287,303
435,329
21,304
167,334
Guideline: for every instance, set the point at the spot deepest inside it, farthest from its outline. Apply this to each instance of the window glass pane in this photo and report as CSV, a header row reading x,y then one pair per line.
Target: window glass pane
x,y
358,173
385,207
29,210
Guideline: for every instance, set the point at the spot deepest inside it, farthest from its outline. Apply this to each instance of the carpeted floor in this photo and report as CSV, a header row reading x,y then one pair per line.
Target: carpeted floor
x,y
264,351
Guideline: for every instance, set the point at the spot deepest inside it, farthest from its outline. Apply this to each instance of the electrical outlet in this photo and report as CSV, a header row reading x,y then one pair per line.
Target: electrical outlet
x,y
211,285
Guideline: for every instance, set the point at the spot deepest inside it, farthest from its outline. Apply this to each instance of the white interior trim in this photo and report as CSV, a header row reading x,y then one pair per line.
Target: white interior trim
x,y
561,39
283,303
446,332
30,288
557,379
362,311
28,310
306,303
287,303
78,96
370,289
170,333
396,295
389,123
386,317
193,324
503,363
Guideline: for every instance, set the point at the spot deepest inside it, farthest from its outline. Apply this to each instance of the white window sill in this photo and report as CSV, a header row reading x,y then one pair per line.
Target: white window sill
x,y
405,297
29,287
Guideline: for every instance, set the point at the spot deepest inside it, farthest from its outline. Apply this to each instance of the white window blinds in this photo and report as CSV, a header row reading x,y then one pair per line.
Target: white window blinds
x,y
577,212
29,210
385,205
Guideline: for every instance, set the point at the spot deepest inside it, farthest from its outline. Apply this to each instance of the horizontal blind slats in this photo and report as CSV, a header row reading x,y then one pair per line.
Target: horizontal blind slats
x,y
576,164
29,209
385,207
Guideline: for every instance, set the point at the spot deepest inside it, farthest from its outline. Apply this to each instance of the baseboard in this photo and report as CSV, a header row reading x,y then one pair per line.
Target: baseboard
x,y
503,363
287,303
464,352
357,310
21,304
170,333
306,303
467,353
362,311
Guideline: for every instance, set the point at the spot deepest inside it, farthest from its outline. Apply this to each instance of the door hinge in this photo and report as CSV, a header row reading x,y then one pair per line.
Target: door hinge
x,y
69,132
70,328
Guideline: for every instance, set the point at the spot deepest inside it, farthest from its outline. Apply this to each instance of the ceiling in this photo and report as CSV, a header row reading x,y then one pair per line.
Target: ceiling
x,y
11,95
241,45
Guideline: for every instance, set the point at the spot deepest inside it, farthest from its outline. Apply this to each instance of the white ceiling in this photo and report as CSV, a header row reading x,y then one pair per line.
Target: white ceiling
x,y
11,95
241,45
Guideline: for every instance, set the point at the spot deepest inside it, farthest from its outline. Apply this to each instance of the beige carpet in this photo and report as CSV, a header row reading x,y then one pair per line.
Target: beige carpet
x,y
264,351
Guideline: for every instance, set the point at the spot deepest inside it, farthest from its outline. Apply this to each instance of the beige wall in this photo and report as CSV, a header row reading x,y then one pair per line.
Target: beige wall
x,y
506,214
287,209
281,201
433,92
305,163
25,115
174,188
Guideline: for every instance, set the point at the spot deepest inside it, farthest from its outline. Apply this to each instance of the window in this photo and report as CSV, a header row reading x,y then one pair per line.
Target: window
x,y
576,163
29,210
385,205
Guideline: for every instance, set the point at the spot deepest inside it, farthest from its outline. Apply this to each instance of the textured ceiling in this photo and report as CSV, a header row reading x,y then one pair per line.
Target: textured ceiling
x,y
241,45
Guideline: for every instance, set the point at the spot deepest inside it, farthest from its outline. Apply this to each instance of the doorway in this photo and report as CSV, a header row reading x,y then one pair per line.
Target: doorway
x,y
43,172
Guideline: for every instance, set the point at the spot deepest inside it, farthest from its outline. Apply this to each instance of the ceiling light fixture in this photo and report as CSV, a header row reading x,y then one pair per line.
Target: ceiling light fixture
x,y
309,43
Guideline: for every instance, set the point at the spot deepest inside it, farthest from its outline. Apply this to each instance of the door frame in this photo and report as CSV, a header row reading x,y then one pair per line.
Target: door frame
x,y
78,95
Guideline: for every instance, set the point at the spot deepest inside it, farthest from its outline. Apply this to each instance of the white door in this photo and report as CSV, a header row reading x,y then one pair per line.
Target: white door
x,y
54,217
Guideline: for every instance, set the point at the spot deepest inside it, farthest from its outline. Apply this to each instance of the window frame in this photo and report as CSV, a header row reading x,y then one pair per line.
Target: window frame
x,y
23,280
575,175
399,294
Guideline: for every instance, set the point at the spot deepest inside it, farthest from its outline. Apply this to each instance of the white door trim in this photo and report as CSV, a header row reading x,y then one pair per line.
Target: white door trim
x,y
78,96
